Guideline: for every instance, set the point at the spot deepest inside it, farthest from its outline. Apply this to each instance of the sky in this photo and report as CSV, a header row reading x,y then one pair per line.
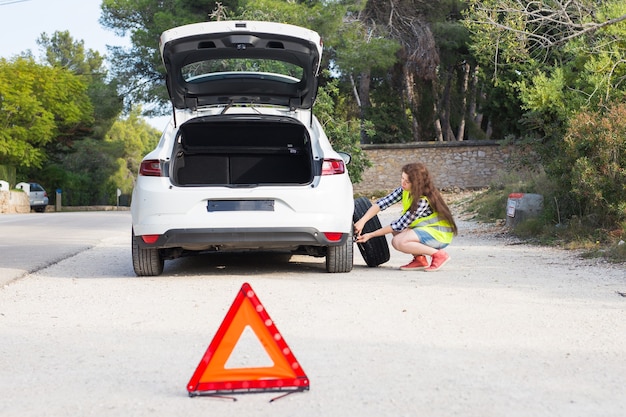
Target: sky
x,y
23,21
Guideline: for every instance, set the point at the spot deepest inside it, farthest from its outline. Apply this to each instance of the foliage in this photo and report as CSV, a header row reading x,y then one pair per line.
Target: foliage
x,y
38,106
7,173
94,169
322,16
361,48
131,138
343,135
387,114
594,161
557,57
61,51
67,105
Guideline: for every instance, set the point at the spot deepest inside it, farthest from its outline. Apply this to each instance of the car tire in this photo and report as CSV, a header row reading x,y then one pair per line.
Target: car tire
x,y
340,258
146,262
376,250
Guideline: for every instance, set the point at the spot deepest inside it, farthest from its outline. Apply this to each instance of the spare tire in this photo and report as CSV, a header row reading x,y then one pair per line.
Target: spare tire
x,y
376,250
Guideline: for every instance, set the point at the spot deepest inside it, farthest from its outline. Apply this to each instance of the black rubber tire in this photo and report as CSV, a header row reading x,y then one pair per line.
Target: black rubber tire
x,y
146,262
340,258
376,250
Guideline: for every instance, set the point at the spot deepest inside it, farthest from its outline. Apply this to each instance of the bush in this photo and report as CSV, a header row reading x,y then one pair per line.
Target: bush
x,y
594,159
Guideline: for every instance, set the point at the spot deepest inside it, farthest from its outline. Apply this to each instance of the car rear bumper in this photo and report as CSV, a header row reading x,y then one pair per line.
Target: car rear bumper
x,y
240,239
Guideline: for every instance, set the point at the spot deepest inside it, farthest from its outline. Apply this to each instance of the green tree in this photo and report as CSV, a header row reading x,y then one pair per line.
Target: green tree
x,y
61,51
38,105
570,51
360,50
131,138
72,156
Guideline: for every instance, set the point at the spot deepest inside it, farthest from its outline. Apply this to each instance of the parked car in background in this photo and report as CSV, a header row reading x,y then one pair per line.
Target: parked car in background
x,y
243,164
38,197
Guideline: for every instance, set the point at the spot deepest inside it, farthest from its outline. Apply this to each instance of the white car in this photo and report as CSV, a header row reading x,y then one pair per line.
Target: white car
x,y
243,164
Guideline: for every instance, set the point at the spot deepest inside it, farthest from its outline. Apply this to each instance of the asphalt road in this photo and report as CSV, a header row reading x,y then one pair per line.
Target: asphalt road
x,y
504,329
29,242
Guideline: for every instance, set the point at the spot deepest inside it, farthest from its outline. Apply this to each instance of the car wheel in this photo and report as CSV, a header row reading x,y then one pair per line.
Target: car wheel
x,y
340,258
376,250
146,262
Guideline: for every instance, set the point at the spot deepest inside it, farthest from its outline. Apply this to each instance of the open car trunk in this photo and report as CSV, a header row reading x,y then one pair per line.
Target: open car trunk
x,y
242,152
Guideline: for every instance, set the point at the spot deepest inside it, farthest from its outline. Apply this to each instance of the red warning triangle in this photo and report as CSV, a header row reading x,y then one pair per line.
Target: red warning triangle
x,y
212,376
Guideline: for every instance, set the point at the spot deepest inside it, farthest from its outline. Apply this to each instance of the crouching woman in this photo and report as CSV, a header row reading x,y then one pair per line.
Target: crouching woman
x,y
426,225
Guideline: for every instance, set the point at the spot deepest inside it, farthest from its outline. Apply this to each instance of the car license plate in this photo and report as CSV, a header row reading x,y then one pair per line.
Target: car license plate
x,y
240,205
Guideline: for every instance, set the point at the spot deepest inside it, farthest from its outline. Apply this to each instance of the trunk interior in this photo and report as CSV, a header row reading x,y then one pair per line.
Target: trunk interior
x,y
242,152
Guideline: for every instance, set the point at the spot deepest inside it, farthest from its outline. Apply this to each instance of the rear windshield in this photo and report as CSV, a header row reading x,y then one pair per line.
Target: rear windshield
x,y
209,70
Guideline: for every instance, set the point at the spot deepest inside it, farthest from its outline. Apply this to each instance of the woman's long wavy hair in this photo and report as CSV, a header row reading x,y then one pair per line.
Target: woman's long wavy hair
x,y
422,185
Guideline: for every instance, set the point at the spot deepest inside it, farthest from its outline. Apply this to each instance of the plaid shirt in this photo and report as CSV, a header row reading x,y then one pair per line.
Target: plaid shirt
x,y
423,209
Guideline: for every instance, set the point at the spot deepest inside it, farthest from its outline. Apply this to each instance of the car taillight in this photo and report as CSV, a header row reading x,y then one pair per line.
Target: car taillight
x,y
333,166
150,168
333,236
149,239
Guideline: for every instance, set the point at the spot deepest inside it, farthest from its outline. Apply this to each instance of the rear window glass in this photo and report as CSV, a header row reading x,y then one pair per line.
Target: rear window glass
x,y
201,71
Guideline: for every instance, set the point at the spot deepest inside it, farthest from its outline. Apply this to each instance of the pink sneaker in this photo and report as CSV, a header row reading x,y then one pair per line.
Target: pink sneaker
x,y
418,262
439,259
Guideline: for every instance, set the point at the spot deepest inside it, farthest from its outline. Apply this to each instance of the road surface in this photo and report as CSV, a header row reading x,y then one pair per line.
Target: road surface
x,y
504,329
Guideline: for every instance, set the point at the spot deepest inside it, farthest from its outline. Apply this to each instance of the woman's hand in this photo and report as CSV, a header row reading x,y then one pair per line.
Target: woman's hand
x,y
360,224
358,227
363,238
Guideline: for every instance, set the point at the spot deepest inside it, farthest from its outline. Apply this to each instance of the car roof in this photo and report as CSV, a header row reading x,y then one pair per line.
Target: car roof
x,y
274,63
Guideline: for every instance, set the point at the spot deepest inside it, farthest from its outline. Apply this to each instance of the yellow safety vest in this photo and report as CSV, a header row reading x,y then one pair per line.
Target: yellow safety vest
x,y
438,228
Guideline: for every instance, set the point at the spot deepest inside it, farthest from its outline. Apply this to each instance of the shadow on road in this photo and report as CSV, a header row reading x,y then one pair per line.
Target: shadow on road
x,y
242,263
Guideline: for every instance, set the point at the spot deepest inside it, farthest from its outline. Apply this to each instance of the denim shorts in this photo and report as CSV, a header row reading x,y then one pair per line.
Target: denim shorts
x,y
427,239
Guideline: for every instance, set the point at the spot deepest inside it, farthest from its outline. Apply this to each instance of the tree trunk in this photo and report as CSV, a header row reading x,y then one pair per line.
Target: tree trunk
x,y
473,98
355,91
409,88
465,91
364,98
438,130
448,134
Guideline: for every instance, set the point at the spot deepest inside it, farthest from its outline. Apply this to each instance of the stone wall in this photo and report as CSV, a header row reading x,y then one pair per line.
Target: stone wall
x,y
13,202
464,165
